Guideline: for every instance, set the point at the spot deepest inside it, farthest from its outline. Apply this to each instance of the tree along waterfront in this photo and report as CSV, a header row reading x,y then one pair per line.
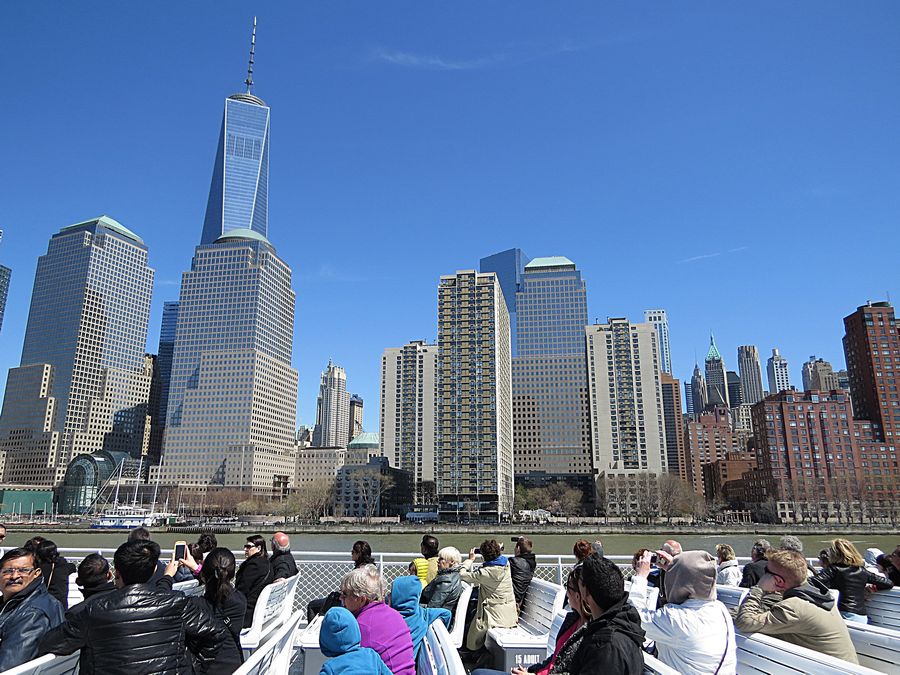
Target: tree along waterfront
x,y
544,544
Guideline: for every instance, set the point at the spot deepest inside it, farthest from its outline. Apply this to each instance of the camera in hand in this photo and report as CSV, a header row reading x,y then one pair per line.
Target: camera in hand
x,y
654,559
477,551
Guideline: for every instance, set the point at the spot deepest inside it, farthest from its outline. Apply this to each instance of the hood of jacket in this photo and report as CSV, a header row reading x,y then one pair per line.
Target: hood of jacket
x,y
527,558
692,576
88,591
339,633
621,618
728,563
405,594
813,591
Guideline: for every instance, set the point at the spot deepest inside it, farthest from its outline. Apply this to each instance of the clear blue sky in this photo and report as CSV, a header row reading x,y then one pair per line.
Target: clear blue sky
x,y
734,163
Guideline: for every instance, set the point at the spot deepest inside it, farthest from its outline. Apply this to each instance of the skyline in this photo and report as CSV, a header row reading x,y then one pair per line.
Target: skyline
x,y
507,175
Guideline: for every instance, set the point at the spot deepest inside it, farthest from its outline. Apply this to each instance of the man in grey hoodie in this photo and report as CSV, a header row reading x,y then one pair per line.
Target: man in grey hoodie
x,y
805,616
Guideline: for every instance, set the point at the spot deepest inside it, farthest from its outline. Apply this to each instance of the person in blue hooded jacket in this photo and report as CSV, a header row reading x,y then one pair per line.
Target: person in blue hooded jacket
x,y
405,595
339,640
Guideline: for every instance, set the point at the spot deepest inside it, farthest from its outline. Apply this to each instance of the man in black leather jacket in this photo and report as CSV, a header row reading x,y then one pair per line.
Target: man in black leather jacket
x,y
139,628
754,570
28,611
282,560
521,568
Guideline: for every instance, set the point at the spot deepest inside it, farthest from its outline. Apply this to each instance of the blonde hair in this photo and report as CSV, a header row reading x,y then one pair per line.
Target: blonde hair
x,y
842,552
451,555
364,582
724,552
791,562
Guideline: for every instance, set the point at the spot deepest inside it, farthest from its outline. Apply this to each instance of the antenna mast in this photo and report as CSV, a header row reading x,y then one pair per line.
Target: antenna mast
x,y
249,80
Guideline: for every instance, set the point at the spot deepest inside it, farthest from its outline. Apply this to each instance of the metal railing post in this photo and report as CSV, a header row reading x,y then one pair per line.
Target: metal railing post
x,y
559,569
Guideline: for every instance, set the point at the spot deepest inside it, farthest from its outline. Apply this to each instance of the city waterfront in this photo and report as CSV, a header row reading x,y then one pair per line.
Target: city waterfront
x,y
544,544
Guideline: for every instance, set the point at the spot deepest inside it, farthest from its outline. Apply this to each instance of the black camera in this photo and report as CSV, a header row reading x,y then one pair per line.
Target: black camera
x,y
654,559
477,551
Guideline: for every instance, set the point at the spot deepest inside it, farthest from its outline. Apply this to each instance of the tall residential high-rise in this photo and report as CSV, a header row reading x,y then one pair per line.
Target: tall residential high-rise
x,y
627,423
5,275
674,420
332,409
408,381
777,369
509,266
750,371
818,375
698,392
716,380
735,396
474,458
233,394
355,417
162,373
871,349
551,431
660,322
83,357
688,398
239,190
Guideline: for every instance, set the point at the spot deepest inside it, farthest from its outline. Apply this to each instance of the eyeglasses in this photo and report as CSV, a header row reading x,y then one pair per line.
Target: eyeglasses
x,y
10,571
249,545
771,573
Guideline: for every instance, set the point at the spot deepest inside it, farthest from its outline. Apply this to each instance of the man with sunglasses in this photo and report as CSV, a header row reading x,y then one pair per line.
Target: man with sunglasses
x,y
806,614
28,611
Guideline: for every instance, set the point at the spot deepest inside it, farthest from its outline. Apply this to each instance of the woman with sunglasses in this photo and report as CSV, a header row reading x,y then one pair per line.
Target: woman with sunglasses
x,y
254,574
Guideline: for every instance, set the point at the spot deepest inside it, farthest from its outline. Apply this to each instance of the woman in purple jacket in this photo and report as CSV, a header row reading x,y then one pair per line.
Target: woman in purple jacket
x,y
381,627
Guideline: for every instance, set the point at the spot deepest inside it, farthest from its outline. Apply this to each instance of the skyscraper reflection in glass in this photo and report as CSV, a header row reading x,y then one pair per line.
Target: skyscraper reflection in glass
x,y
239,192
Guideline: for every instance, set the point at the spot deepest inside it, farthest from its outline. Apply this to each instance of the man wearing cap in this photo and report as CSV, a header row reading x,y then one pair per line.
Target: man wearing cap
x,y
282,561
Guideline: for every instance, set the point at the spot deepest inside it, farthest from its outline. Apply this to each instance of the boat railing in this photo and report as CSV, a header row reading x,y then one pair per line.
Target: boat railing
x,y
321,571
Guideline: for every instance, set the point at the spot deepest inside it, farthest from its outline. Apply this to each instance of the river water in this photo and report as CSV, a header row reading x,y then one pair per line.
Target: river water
x,y
613,544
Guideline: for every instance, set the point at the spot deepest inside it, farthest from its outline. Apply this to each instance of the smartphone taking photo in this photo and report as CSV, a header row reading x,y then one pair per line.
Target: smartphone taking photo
x,y
180,550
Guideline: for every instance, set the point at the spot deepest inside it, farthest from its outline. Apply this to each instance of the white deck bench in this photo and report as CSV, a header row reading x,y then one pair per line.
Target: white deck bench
x,y
190,587
49,664
268,615
883,608
526,644
274,657
438,655
458,627
307,640
74,595
876,647
731,596
766,655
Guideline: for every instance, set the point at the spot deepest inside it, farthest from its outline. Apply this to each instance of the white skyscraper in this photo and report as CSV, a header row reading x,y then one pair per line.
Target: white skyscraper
x,y
408,380
332,410
779,377
626,403
660,322
751,374
474,399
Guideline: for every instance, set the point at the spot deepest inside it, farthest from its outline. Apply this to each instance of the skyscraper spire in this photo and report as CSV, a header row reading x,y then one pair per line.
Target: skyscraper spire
x,y
249,80
713,354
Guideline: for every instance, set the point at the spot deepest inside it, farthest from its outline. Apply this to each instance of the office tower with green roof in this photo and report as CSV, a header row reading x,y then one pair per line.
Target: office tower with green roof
x,y
83,383
551,427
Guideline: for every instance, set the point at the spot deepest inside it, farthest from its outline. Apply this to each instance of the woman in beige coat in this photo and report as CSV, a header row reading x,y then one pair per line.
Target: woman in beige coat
x,y
496,601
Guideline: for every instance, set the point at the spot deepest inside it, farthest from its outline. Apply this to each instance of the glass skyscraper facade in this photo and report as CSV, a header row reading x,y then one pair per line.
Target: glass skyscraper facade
x,y
88,320
509,266
5,275
239,192
551,430
163,375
